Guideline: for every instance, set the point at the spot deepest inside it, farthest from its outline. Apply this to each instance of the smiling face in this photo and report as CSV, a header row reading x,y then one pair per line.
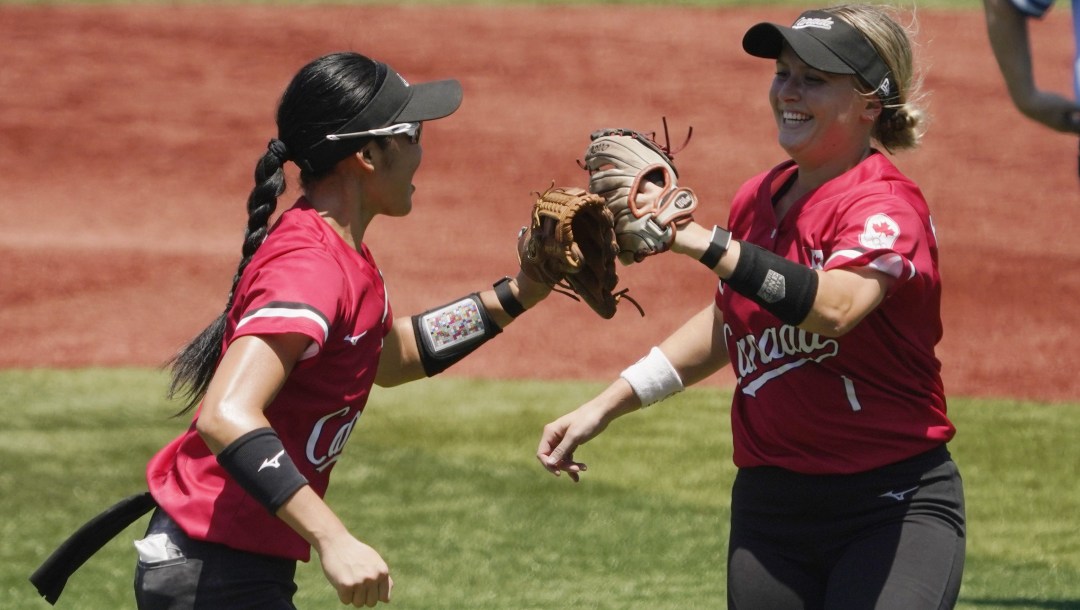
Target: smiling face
x,y
822,119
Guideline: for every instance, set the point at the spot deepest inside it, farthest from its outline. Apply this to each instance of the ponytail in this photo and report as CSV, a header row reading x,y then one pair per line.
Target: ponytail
x,y
193,366
900,128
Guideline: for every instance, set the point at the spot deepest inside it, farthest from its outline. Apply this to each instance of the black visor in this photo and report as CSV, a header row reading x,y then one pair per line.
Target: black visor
x,y
827,43
396,101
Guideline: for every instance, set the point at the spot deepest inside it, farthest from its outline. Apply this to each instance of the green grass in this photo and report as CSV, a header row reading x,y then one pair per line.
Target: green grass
x,y
441,479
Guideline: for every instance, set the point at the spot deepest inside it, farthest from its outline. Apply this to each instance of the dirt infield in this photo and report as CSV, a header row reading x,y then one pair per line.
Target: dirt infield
x,y
129,136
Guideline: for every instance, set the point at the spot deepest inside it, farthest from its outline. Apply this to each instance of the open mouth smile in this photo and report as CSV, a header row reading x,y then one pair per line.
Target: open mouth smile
x,y
795,118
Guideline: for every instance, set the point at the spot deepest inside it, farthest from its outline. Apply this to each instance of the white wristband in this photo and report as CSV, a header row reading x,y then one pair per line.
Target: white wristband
x,y
653,378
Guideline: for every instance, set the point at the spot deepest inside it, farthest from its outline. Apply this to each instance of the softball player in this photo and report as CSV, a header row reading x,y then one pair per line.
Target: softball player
x,y
281,378
828,311
1006,22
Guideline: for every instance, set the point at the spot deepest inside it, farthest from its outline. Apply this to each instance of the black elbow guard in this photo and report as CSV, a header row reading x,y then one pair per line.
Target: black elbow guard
x,y
784,288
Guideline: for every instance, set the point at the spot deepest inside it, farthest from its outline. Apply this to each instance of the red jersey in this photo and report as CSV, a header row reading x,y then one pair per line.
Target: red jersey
x,y
303,279
818,405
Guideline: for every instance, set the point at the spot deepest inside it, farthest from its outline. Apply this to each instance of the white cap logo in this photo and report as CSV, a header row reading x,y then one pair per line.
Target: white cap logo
x,y
813,22
886,87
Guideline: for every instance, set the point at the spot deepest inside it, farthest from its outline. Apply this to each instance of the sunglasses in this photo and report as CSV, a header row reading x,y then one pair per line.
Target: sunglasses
x,y
412,130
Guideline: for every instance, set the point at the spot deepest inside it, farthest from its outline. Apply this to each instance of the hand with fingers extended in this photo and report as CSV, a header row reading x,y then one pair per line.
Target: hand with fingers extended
x,y
563,436
559,440
356,571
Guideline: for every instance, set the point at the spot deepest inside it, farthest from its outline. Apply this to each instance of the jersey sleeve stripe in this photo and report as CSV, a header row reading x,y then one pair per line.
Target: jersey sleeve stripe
x,y
288,310
893,264
885,261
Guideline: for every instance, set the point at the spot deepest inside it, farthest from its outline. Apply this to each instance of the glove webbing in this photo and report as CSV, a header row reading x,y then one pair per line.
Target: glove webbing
x,y
564,288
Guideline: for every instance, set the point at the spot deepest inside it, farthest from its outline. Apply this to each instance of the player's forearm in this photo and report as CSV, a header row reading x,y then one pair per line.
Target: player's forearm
x,y
519,295
829,303
354,569
694,240
697,349
308,515
1052,110
690,354
1008,32
408,356
614,401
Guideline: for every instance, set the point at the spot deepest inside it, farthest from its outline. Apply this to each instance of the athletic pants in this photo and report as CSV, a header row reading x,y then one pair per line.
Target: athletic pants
x,y
888,539
200,575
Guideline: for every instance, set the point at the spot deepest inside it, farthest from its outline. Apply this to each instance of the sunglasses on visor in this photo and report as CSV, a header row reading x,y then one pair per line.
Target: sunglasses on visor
x,y
412,130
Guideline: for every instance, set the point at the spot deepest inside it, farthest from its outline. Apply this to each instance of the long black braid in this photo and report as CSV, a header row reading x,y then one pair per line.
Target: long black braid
x,y
323,96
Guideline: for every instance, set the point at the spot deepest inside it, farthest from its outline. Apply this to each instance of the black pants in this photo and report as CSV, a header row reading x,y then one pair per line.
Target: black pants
x,y
203,576
889,539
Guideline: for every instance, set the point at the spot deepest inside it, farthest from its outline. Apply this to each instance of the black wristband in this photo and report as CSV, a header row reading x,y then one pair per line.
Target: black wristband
x,y
259,463
509,302
718,245
783,288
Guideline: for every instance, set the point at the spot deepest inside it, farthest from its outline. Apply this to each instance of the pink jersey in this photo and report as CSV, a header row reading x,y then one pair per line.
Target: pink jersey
x,y
303,279
818,405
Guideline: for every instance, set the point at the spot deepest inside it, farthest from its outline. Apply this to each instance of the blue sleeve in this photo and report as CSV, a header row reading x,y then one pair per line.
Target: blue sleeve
x,y
1076,55
1032,8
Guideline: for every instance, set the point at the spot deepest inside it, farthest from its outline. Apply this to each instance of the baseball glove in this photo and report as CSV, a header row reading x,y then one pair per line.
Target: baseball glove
x,y
637,179
570,246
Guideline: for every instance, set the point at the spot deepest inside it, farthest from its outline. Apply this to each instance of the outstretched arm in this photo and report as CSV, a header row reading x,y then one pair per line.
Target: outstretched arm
x,y
694,351
1008,31
829,303
401,360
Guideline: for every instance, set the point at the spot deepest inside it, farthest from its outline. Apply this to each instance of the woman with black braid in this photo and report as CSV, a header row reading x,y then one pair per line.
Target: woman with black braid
x,y
282,376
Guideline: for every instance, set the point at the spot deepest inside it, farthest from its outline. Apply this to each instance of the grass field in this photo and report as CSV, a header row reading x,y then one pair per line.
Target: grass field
x,y
441,479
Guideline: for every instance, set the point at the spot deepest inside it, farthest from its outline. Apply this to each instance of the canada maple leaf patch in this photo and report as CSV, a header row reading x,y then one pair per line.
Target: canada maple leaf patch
x,y
879,231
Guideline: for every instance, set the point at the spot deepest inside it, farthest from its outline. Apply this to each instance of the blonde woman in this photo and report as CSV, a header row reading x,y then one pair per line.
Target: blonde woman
x,y
828,311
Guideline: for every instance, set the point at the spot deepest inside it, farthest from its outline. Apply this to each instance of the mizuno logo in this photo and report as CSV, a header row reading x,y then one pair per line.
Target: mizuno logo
x,y
353,339
272,462
899,496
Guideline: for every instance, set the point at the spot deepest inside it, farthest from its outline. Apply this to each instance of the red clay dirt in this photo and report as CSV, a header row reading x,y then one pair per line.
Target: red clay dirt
x,y
130,136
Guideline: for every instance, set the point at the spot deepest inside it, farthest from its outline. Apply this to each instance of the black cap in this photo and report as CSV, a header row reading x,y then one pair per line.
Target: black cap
x,y
827,43
395,101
